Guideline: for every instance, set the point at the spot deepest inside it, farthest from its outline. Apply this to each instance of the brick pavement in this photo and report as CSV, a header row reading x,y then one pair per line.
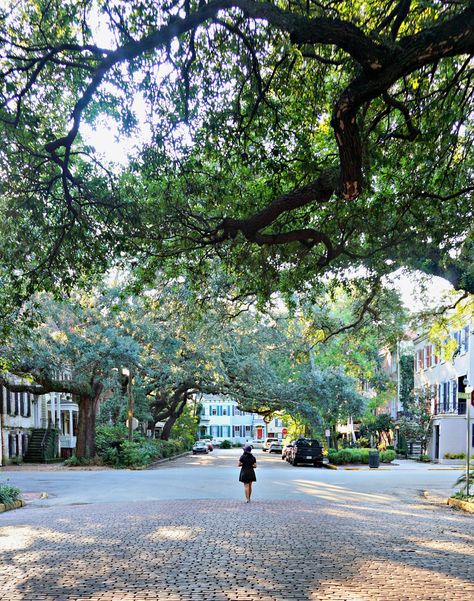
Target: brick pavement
x,y
230,551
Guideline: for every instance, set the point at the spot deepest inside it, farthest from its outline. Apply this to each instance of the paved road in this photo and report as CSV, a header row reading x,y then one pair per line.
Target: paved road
x,y
341,536
214,476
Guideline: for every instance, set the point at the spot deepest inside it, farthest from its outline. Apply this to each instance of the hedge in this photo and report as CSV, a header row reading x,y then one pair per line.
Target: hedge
x,y
358,456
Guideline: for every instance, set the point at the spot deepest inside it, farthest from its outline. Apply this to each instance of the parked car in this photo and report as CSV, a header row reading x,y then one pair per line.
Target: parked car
x,y
268,442
306,450
200,447
275,447
209,444
285,454
257,443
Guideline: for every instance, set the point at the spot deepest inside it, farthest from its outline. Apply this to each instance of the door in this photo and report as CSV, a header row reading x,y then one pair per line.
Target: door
x,y
436,442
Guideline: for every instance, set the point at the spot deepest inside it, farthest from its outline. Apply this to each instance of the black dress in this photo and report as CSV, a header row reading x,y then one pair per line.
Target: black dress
x,y
247,473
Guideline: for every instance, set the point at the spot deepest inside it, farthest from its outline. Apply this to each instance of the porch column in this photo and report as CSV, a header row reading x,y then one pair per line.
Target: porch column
x,y
71,424
52,401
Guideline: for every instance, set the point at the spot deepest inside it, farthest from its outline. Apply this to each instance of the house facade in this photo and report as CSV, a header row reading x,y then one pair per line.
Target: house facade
x,y
221,419
444,383
23,414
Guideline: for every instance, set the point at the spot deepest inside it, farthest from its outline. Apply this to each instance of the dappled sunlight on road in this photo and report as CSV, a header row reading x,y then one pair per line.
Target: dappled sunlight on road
x,y
174,533
332,492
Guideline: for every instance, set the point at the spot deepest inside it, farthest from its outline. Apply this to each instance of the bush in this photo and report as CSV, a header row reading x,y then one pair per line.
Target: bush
x,y
113,447
351,456
364,442
9,494
455,455
390,447
387,456
424,458
226,444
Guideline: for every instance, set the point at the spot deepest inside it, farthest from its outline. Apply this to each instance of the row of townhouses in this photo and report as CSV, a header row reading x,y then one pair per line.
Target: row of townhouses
x,y
221,419
447,385
28,423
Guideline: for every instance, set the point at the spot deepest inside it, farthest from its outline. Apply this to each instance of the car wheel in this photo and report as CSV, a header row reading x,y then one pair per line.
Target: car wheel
x,y
295,463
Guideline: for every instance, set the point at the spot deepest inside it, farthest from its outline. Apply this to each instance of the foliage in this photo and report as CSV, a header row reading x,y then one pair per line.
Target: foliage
x,y
281,137
424,458
9,493
225,444
462,480
455,456
387,456
376,425
406,379
113,447
415,423
357,455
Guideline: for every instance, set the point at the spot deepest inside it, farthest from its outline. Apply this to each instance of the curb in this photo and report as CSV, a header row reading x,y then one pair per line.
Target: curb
x,y
10,506
330,466
464,505
160,461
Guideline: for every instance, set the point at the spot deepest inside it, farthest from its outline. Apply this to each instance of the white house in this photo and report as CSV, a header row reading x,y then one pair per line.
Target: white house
x,y
24,416
444,383
221,419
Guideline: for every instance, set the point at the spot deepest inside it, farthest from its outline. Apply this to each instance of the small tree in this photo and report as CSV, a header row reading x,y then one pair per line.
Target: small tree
x,y
415,424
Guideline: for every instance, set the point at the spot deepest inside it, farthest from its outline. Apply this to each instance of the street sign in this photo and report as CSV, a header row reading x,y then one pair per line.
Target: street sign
x,y
284,431
464,395
328,433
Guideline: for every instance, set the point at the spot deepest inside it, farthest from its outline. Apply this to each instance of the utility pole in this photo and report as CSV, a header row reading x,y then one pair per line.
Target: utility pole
x,y
469,392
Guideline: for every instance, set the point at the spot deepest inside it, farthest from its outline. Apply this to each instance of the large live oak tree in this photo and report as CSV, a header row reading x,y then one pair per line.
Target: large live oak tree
x,y
291,138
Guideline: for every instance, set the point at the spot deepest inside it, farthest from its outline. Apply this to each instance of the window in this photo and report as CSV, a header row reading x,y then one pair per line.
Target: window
x,y
248,428
465,339
454,386
224,410
419,362
213,411
457,338
429,356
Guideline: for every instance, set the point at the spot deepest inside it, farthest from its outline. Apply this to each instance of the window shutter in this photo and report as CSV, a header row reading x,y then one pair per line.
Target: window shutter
x,y
17,403
9,402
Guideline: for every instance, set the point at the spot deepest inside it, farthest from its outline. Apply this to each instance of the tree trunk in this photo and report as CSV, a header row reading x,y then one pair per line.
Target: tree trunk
x,y
88,405
334,437
165,434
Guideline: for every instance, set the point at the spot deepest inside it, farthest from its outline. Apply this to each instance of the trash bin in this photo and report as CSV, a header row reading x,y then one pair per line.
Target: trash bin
x,y
374,459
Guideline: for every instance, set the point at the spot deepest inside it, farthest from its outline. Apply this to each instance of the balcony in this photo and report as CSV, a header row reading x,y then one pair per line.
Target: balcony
x,y
450,409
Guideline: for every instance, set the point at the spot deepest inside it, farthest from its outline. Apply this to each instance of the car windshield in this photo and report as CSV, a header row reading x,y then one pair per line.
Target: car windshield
x,y
308,443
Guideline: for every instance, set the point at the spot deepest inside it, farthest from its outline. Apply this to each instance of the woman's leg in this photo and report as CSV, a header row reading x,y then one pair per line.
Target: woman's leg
x,y
250,490
246,488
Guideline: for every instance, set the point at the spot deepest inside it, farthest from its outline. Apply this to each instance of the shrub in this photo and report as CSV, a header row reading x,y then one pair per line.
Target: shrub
x,y
113,447
455,455
390,447
9,494
387,456
364,442
226,444
424,458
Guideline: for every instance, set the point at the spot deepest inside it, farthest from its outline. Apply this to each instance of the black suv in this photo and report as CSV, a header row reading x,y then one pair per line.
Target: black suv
x,y
306,450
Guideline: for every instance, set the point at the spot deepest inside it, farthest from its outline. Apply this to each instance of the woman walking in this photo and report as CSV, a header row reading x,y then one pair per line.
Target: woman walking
x,y
248,463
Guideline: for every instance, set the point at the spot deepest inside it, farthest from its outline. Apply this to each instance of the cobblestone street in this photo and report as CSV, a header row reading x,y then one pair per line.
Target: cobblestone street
x,y
227,550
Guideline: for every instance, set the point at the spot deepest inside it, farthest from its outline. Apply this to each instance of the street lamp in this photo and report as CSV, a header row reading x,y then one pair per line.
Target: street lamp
x,y
468,389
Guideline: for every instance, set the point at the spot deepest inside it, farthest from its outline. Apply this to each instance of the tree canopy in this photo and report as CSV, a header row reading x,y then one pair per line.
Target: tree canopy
x,y
289,138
